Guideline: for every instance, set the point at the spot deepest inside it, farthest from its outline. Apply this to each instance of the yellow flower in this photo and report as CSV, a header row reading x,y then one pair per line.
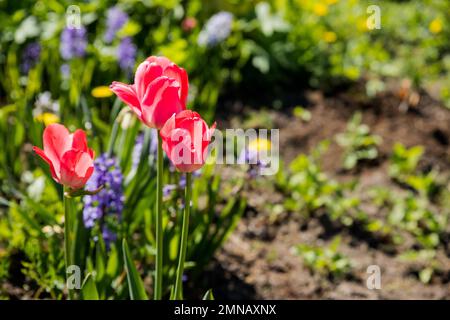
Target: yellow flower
x,y
435,26
101,92
329,37
361,25
259,145
320,9
47,118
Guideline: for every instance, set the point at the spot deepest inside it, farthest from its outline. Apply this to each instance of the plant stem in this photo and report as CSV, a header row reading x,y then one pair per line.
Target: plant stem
x,y
184,234
68,215
159,227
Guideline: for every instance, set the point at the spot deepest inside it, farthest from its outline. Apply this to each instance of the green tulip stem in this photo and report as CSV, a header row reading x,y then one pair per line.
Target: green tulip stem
x,y
159,227
184,234
68,216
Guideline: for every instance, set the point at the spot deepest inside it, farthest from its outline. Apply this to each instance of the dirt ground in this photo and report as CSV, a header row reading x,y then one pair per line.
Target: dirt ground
x,y
257,261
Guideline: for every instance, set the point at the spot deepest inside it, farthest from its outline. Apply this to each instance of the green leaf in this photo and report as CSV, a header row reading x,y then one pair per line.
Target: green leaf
x,y
426,274
208,295
100,258
135,285
89,290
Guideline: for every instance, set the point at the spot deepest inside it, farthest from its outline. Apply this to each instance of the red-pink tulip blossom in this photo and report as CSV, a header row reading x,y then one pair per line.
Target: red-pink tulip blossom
x,y
71,161
185,138
160,90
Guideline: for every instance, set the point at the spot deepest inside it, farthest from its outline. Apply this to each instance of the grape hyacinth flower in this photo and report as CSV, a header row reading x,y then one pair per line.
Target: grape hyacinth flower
x,y
116,18
73,43
216,30
126,54
30,56
109,201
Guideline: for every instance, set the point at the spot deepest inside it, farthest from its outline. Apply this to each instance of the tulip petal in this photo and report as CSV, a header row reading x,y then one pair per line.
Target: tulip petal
x,y
41,153
180,75
79,141
57,140
145,74
127,94
192,122
162,61
168,127
84,163
168,105
76,168
161,101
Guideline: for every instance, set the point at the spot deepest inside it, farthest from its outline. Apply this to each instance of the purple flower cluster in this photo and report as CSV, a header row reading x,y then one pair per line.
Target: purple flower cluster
x,y
73,43
30,56
116,18
216,30
126,54
109,201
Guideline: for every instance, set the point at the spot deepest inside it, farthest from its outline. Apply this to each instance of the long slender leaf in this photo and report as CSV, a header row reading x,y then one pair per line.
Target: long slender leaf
x,y
135,285
89,289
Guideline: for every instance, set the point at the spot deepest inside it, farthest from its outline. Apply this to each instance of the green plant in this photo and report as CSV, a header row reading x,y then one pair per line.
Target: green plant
x,y
402,168
404,161
325,260
308,186
425,261
357,142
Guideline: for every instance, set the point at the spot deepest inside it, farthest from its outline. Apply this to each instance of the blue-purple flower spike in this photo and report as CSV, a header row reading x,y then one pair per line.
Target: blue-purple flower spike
x,y
30,57
109,201
126,54
73,43
216,29
116,18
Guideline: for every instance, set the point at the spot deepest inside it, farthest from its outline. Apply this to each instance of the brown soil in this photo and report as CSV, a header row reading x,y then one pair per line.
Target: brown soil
x,y
257,261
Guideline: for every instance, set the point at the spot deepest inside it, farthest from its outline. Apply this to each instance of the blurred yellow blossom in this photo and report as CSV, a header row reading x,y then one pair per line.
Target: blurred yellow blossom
x,y
47,118
361,25
101,92
320,9
435,26
330,2
259,145
329,36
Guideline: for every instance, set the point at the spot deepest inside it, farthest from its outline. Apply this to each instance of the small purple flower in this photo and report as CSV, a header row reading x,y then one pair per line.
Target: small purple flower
x,y
116,18
182,181
126,54
73,43
65,71
168,188
109,201
216,29
30,56
253,159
